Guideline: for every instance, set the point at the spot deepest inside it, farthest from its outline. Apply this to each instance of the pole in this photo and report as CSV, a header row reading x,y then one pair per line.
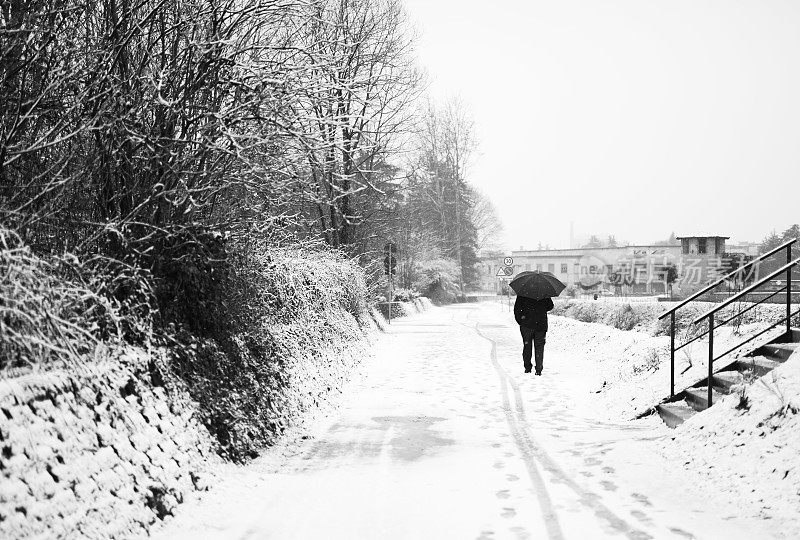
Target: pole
x,y
710,354
789,294
672,354
391,292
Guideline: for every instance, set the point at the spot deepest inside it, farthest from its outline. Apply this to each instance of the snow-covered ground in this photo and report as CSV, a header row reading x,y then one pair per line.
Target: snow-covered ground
x,y
631,369
633,366
749,444
444,436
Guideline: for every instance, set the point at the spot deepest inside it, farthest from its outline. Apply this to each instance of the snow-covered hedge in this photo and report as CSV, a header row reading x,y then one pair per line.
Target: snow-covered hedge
x,y
290,324
403,309
643,316
273,332
59,309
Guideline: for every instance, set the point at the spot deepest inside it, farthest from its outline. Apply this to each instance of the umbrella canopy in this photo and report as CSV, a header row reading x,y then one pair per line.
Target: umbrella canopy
x,y
537,285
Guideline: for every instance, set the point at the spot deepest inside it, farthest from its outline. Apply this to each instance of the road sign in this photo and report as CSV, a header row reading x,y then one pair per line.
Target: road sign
x,y
504,272
508,261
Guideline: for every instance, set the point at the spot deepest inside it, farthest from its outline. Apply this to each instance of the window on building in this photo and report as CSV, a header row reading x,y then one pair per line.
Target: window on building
x,y
702,247
564,268
551,268
538,267
685,245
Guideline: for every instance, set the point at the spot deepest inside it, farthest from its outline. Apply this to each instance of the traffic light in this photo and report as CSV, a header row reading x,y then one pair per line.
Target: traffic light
x,y
390,259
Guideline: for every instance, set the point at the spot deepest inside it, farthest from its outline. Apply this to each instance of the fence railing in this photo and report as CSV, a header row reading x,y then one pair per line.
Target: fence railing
x,y
734,275
710,315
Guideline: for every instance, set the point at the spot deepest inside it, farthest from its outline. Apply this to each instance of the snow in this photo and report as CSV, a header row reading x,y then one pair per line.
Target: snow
x,y
632,367
749,444
444,437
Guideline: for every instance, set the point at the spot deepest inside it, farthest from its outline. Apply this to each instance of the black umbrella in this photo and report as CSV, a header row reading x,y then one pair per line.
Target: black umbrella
x,y
537,285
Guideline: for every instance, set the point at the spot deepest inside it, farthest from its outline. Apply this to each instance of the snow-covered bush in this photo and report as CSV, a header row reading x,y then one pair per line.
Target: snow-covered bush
x,y
405,295
644,316
256,334
288,324
437,279
622,317
59,309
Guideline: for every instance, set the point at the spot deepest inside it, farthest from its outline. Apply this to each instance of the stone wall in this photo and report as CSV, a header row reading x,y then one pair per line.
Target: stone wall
x,y
99,452
109,448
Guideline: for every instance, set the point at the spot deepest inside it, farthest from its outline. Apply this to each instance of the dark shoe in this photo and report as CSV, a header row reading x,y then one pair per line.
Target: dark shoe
x,y
538,372
528,370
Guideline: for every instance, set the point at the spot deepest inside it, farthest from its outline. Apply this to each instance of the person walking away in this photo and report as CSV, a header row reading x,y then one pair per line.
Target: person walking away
x,y
531,316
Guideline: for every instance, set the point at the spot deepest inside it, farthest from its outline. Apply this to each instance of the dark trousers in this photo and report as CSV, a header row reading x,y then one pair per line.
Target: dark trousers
x,y
533,339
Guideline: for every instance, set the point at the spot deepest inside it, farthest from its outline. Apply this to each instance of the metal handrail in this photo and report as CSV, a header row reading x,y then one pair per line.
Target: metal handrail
x,y
747,291
751,338
671,313
726,321
727,277
712,312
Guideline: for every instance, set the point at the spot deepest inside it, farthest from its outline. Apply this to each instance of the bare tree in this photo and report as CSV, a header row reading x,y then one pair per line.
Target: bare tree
x,y
358,84
487,222
122,121
446,144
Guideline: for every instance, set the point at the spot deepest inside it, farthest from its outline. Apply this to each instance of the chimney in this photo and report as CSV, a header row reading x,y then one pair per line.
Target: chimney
x,y
571,235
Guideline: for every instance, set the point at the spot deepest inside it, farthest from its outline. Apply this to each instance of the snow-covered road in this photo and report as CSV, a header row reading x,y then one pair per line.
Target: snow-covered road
x,y
444,436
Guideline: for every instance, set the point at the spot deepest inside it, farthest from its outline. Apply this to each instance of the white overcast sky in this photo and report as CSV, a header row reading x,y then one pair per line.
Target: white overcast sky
x,y
629,117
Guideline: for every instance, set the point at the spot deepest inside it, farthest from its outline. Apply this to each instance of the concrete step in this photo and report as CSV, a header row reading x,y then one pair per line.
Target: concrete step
x,y
674,414
778,351
759,365
795,335
725,380
697,398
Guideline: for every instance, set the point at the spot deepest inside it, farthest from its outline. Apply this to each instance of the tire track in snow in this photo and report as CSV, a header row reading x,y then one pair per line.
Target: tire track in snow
x,y
532,452
551,522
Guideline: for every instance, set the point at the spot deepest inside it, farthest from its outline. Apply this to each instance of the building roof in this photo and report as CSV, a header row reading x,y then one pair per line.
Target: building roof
x,y
702,236
643,246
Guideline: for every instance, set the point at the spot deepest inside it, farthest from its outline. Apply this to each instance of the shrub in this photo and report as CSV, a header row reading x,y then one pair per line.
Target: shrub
x,y
59,309
284,323
437,280
622,317
405,295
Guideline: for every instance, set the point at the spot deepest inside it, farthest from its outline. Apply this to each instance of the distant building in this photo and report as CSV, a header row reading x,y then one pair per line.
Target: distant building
x,y
623,270
703,245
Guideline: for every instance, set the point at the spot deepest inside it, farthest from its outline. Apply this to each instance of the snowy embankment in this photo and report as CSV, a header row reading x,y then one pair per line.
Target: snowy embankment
x,y
631,369
630,347
104,438
748,444
745,446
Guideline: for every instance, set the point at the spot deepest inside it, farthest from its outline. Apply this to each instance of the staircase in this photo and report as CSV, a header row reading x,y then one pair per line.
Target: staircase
x,y
758,363
765,357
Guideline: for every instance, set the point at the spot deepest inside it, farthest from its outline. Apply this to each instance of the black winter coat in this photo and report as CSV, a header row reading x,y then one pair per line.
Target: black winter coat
x,y
532,313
